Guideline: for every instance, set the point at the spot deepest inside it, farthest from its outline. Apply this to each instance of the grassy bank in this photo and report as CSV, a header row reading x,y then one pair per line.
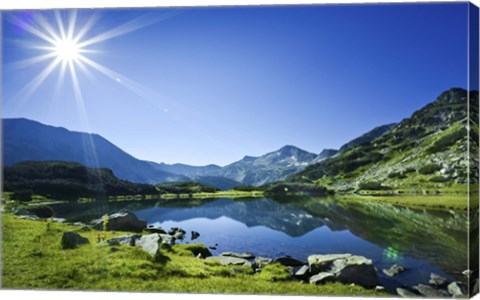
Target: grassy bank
x,y
33,259
441,201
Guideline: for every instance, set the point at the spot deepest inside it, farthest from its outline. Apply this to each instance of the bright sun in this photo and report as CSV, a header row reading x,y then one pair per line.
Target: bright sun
x,y
67,50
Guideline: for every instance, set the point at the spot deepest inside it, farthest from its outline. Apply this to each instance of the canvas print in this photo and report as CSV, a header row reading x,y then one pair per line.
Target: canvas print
x,y
284,150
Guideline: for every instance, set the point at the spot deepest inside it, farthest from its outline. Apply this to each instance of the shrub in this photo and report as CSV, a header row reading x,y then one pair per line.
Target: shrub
x,y
439,178
373,185
399,175
429,169
245,188
447,141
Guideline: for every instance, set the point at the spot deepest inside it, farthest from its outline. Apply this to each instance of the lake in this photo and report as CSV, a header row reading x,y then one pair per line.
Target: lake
x,y
423,240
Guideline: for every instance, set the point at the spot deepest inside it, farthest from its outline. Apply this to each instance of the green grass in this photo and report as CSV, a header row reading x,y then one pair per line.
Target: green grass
x,y
33,259
443,201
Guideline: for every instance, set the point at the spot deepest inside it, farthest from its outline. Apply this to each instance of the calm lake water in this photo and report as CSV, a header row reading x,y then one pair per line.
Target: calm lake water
x,y
422,240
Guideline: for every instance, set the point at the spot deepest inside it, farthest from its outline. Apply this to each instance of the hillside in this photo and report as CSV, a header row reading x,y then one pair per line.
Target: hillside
x,y
27,140
67,181
426,151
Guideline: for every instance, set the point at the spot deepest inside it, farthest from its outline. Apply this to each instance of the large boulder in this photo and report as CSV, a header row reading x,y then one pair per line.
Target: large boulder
x,y
457,290
438,280
261,262
406,293
123,240
322,262
71,240
290,261
121,221
245,255
321,278
394,270
152,243
227,260
430,291
303,272
355,269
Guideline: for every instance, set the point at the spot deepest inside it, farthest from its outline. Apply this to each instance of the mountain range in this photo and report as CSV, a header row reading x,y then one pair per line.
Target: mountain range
x,y
427,151
28,140
428,147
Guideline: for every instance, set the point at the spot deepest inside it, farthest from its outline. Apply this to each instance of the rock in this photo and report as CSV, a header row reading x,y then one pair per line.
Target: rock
x,y
438,280
394,270
290,261
261,262
406,293
321,262
26,215
174,230
122,240
179,235
79,224
59,220
245,255
167,241
248,264
379,288
457,290
154,229
467,273
430,292
23,212
355,269
71,240
194,235
303,272
152,243
227,260
321,278
122,221
212,247
29,217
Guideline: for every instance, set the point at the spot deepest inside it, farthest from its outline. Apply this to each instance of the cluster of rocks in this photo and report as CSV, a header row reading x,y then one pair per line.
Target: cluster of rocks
x,y
438,287
344,268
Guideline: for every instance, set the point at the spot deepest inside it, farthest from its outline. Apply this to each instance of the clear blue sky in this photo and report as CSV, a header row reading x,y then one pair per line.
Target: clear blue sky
x,y
210,85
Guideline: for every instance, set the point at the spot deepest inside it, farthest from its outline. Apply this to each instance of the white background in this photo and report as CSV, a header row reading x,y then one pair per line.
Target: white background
x,y
24,4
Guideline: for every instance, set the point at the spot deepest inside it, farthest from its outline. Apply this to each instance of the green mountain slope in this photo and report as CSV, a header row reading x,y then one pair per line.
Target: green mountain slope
x,y
427,151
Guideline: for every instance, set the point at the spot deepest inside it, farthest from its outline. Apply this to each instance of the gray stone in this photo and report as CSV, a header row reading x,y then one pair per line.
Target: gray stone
x,y
122,240
150,243
355,269
179,235
321,262
23,212
153,243
59,220
303,272
261,262
321,278
430,291
245,255
71,240
438,280
29,217
153,229
406,293
122,221
290,261
394,270
194,235
457,290
248,264
227,260
467,272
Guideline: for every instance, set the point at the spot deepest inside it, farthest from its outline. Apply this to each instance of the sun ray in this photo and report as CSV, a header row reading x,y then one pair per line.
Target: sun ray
x,y
135,24
71,25
61,28
35,31
38,80
47,27
31,61
85,28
